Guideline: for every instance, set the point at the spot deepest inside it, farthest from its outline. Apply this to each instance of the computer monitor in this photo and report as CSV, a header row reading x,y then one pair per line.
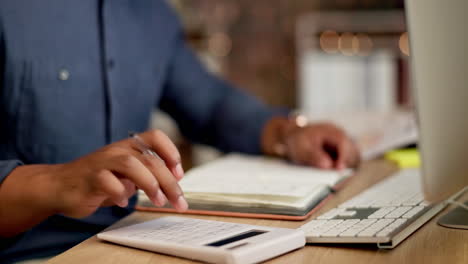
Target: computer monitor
x,y
438,36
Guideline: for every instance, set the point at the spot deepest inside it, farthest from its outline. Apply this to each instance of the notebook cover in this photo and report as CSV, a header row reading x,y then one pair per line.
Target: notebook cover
x,y
339,185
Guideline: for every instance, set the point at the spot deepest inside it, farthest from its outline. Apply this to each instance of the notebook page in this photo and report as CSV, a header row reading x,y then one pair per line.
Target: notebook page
x,y
257,200
242,174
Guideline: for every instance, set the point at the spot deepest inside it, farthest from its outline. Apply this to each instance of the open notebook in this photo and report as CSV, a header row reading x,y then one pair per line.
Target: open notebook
x,y
242,185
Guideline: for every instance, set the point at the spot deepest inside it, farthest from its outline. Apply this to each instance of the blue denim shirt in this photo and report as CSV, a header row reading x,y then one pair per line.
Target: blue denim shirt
x,y
77,75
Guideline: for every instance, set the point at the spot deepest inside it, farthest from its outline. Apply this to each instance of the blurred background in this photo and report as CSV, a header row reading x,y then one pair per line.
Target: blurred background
x,y
326,58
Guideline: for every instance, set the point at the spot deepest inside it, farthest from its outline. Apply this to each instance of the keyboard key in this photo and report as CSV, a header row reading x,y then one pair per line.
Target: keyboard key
x,y
358,227
374,228
347,213
331,214
416,199
413,211
323,228
392,227
398,212
336,230
313,224
381,212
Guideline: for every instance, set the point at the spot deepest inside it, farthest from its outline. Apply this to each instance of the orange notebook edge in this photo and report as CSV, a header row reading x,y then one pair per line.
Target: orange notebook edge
x,y
238,214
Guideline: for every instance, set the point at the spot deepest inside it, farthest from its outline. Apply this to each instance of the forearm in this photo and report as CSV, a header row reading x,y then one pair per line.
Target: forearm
x,y
239,122
27,196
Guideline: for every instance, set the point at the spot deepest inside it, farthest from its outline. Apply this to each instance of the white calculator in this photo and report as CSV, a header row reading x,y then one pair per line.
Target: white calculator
x,y
208,241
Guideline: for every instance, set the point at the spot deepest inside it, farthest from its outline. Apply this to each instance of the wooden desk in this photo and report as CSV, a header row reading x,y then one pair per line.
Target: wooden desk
x,y
430,244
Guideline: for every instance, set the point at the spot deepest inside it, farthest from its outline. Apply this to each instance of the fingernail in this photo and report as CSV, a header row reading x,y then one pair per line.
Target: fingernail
x,y
160,199
179,171
123,203
181,204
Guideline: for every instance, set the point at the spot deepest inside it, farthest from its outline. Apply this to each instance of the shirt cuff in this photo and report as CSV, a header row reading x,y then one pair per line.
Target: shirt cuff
x,y
6,167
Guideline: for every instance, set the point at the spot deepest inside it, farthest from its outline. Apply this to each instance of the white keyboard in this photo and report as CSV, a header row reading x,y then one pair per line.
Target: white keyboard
x,y
208,241
384,214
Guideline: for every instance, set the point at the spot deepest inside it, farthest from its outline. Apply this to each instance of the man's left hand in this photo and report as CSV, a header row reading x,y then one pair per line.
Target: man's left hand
x,y
322,145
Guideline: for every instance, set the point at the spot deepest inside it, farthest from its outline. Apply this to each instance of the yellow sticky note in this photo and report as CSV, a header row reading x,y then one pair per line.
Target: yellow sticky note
x,y
405,158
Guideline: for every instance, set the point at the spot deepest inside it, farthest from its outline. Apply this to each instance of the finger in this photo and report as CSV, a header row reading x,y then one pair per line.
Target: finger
x,y
165,148
167,182
152,177
319,158
130,188
158,199
339,142
128,166
108,183
343,153
169,190
309,151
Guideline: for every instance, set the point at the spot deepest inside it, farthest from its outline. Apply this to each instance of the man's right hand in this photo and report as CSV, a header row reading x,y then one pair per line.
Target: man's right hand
x,y
105,177
112,174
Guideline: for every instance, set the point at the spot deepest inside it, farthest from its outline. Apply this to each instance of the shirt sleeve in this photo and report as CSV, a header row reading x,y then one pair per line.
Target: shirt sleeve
x,y
6,167
209,110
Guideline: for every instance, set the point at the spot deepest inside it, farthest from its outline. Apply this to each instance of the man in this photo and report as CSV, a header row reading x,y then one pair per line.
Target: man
x,y
76,77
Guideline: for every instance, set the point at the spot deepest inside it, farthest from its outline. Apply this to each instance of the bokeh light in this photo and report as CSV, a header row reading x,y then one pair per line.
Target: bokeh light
x,y
329,41
348,44
403,44
365,44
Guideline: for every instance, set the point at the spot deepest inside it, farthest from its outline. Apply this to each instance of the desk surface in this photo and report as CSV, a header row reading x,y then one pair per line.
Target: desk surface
x,y
430,244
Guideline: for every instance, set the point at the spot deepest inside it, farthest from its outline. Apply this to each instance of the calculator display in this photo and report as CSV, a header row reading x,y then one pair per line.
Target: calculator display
x,y
235,238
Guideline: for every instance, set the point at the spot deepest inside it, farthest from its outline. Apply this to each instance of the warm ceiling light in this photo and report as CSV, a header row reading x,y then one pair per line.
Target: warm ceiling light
x,y
329,41
365,44
347,44
403,44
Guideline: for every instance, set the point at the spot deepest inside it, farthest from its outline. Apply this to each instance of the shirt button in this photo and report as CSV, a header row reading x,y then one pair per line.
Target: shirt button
x,y
64,75
110,64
